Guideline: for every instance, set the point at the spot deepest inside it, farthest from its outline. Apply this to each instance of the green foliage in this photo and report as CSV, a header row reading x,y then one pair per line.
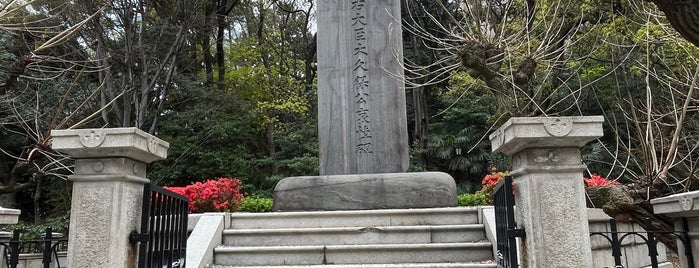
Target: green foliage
x,y
475,199
459,132
467,187
35,232
8,60
297,152
263,186
209,135
256,204
415,164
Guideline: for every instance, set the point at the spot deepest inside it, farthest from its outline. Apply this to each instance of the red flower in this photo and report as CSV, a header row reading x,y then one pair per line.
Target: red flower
x,y
597,181
222,194
490,181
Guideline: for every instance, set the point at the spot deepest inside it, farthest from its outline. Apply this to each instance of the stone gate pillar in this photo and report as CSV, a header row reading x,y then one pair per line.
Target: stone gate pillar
x,y
548,182
108,180
683,208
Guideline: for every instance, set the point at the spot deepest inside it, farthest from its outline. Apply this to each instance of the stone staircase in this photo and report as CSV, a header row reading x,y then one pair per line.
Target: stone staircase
x,y
441,237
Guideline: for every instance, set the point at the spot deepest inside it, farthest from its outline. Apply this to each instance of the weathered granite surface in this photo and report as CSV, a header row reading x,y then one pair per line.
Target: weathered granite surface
x,y
677,205
110,171
683,208
130,143
547,174
546,132
9,216
362,121
365,191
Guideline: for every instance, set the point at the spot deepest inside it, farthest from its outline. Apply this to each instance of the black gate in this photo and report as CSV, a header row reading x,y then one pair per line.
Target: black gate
x,y
163,237
49,246
615,238
506,228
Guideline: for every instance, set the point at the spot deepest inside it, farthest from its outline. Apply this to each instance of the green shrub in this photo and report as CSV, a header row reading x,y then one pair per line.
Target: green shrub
x,y
477,199
256,204
36,232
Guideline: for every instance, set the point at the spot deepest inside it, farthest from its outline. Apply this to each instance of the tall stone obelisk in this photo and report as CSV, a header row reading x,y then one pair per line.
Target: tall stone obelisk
x,y
362,125
361,98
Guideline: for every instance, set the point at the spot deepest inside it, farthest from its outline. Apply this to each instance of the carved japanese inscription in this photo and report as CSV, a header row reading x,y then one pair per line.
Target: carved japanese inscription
x,y
360,81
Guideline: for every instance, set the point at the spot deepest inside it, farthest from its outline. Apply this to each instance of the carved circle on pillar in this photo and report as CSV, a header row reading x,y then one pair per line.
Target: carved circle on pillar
x,y
558,127
137,169
517,160
687,203
92,138
153,145
501,136
98,166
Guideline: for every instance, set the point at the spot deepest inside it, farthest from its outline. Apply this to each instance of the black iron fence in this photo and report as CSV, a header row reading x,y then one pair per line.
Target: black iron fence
x,y
649,237
49,246
506,228
163,238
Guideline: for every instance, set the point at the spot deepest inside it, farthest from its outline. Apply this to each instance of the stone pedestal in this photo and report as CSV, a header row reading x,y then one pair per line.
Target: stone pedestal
x,y
549,192
110,172
682,207
365,191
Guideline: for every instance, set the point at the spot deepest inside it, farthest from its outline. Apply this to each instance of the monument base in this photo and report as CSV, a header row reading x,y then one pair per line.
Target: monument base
x,y
365,191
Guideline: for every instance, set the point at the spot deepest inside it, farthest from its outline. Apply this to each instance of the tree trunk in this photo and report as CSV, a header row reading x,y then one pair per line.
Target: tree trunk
x,y
39,178
421,122
220,56
310,73
271,148
683,16
206,44
6,200
629,203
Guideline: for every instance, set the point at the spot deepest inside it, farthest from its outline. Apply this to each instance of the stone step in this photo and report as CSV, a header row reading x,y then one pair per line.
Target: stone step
x,y
354,254
396,265
420,234
382,217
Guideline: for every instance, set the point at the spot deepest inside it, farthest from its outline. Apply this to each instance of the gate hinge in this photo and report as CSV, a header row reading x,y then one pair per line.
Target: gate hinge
x,y
136,237
512,233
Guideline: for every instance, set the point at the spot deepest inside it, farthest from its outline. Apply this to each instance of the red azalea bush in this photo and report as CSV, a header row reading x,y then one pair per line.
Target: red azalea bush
x,y
218,195
490,181
597,181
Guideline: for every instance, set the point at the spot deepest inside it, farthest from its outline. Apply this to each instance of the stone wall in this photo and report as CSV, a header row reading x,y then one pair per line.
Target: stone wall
x,y
634,251
34,260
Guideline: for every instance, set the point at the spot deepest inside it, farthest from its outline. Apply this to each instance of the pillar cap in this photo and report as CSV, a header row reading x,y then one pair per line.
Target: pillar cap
x,y
521,133
677,205
130,143
9,215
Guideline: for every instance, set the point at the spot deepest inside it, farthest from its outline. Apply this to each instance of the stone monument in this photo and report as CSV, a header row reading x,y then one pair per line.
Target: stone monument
x,y
361,99
362,127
